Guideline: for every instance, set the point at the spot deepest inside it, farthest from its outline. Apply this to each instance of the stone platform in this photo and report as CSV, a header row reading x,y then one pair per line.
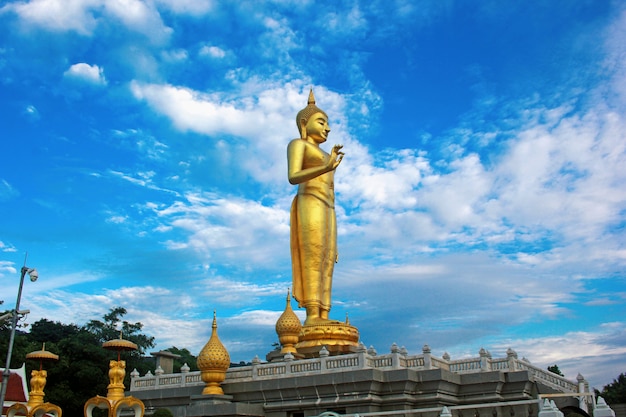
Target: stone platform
x,y
395,384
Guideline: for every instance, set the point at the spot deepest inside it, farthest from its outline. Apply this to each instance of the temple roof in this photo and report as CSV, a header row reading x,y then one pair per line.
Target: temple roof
x,y
17,390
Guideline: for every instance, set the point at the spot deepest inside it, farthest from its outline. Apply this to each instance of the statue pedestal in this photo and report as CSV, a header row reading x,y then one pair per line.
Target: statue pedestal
x,y
338,338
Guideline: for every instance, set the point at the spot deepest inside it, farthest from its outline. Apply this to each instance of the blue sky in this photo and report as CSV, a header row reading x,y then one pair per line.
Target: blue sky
x,y
481,201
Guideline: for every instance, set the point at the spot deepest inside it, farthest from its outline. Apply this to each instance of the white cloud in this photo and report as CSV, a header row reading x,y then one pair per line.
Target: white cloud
x,y
6,267
454,198
141,179
615,62
278,39
389,184
92,74
555,187
31,112
565,176
223,227
84,16
177,55
191,110
237,293
6,247
266,124
139,16
147,145
117,219
59,15
212,51
348,22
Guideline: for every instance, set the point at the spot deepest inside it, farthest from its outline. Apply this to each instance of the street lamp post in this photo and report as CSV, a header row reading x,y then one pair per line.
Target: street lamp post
x,y
32,272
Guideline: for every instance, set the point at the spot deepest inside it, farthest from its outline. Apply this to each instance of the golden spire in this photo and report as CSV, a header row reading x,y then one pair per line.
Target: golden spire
x,y
288,327
213,362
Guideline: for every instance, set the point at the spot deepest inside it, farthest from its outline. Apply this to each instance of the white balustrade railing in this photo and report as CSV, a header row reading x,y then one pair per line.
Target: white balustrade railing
x,y
359,360
465,366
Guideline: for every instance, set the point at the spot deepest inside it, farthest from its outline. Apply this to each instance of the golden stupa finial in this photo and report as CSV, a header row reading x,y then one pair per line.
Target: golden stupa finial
x,y
288,328
213,362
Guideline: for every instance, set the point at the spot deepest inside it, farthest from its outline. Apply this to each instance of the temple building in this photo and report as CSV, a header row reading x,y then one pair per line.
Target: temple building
x,y
363,383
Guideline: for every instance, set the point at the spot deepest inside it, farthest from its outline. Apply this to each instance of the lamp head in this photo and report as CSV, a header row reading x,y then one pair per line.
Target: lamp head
x,y
33,274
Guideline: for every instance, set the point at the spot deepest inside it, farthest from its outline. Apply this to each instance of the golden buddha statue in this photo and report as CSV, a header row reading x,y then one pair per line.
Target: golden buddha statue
x,y
313,221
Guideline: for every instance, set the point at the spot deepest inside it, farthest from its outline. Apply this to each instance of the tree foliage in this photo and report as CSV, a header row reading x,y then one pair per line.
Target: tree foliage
x,y
555,370
185,358
83,366
109,329
615,392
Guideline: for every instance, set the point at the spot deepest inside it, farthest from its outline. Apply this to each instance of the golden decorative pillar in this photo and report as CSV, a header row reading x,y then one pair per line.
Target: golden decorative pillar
x,y
213,361
288,328
116,401
35,405
313,238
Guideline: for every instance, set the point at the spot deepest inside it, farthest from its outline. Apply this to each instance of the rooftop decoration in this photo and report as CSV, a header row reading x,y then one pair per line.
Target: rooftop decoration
x,y
115,401
35,405
288,328
213,362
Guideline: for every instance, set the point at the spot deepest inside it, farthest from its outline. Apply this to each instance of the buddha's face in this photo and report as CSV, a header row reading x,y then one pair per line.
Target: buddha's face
x,y
317,127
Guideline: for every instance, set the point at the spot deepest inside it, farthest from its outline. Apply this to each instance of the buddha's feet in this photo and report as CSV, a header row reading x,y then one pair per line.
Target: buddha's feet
x,y
317,321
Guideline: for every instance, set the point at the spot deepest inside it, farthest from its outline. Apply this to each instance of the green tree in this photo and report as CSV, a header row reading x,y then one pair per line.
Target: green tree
x,y
555,370
615,392
112,327
185,358
46,331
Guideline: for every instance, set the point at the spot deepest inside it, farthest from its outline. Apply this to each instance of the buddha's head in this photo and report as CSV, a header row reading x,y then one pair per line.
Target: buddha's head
x,y
305,114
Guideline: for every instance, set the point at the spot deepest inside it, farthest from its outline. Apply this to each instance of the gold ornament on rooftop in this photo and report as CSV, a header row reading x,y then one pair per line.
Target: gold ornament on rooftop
x,y
35,405
288,328
115,401
213,362
117,369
